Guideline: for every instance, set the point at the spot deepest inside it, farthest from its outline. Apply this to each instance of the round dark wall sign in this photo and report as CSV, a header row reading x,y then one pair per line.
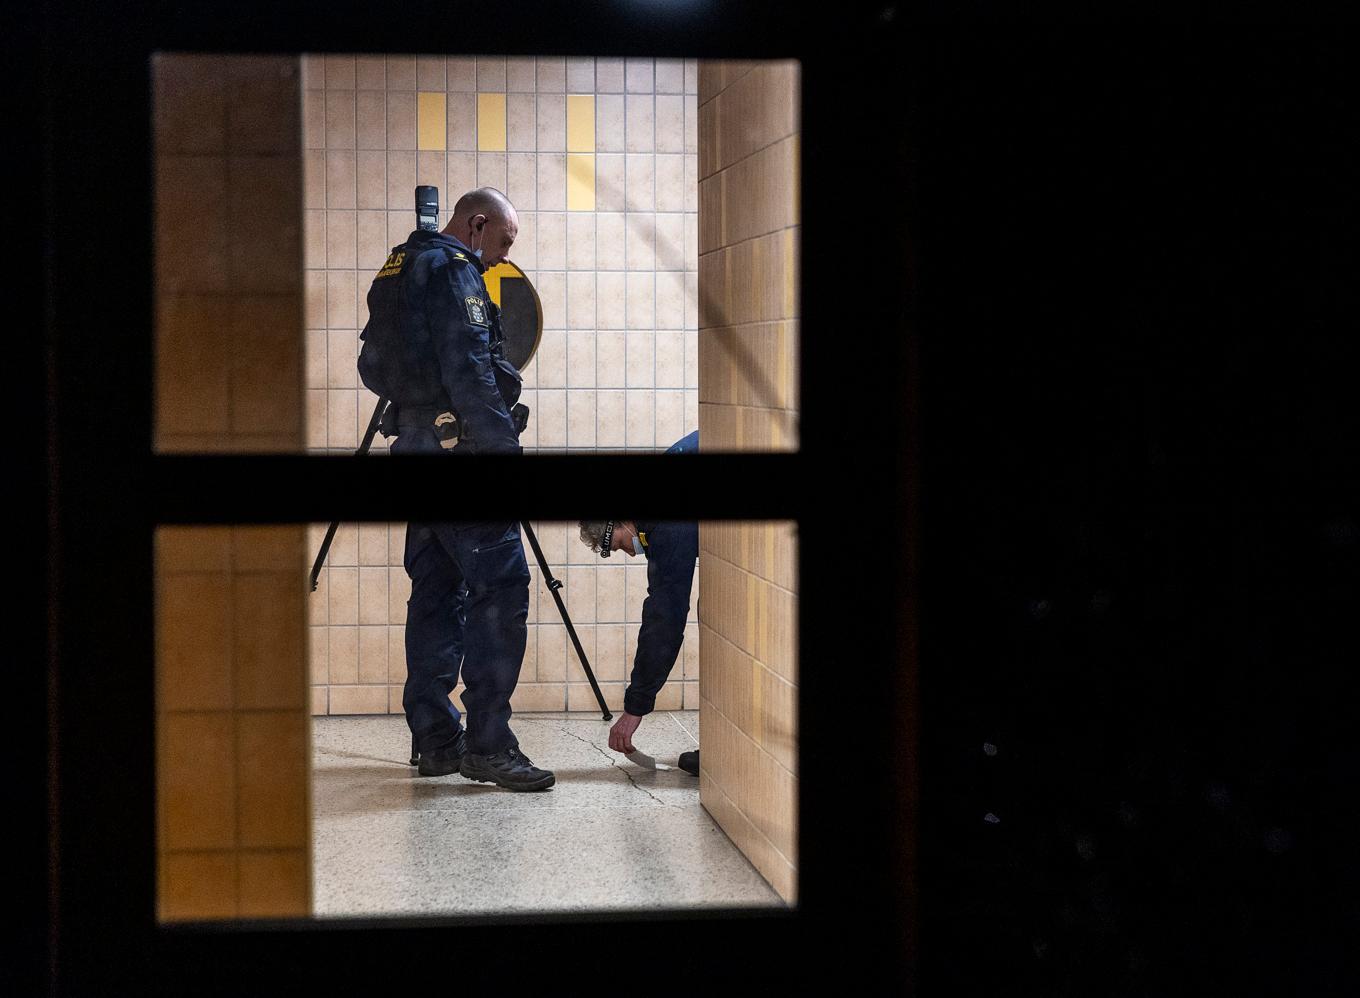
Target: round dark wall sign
x,y
521,311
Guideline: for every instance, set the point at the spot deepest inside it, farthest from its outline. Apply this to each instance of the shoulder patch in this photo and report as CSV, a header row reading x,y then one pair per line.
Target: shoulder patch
x,y
459,256
392,266
476,311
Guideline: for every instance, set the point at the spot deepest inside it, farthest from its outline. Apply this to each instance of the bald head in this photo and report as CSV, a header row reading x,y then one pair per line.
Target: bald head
x,y
484,219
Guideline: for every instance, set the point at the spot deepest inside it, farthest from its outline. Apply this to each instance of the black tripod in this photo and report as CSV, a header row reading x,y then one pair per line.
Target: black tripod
x,y
554,584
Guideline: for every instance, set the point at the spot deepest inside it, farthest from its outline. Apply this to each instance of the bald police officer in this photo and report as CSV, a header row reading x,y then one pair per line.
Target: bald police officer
x,y
433,345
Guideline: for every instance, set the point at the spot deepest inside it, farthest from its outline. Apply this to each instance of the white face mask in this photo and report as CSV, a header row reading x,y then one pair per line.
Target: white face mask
x,y
637,546
478,251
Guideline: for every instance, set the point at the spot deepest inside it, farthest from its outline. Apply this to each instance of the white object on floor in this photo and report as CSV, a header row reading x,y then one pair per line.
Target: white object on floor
x,y
642,759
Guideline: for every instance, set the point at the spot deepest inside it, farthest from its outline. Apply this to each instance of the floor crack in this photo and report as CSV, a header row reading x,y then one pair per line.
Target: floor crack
x,y
611,761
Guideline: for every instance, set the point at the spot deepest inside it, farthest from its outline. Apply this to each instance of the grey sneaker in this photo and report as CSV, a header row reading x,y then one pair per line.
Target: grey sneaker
x,y
510,769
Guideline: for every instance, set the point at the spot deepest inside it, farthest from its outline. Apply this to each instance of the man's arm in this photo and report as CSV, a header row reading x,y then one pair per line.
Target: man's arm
x,y
460,325
670,578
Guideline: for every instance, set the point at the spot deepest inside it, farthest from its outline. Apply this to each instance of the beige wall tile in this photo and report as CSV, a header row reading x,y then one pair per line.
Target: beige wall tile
x,y
340,239
373,595
490,74
370,119
340,132
358,700
609,123
320,700
552,653
401,120
610,182
370,72
580,75
581,300
640,311
581,419
339,70
196,180
462,73
462,132
462,176
552,418
344,654
552,76
640,190
581,362
609,76
373,646
430,72
638,73
670,417
552,183
491,170
529,697
670,76
581,697
431,169
670,182
640,241
522,189
611,424
192,549
608,662
670,123
611,242
581,241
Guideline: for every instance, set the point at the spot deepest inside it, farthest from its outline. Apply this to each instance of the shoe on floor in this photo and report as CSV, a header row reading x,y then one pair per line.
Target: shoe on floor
x,y
510,769
443,761
689,762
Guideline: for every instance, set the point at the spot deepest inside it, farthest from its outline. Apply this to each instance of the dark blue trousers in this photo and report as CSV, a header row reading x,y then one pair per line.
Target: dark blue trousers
x,y
468,607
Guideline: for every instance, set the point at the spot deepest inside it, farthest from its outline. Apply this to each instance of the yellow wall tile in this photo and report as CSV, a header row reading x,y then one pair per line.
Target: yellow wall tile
x,y
581,123
431,123
491,122
580,181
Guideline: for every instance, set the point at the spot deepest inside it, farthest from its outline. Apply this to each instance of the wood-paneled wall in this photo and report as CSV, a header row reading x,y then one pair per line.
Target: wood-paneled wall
x,y
748,401
232,722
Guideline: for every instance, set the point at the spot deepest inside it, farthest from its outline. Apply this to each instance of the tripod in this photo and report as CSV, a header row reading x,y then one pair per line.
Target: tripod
x,y
554,584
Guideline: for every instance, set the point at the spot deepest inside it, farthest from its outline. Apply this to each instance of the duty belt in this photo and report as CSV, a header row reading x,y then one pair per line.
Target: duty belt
x,y
442,421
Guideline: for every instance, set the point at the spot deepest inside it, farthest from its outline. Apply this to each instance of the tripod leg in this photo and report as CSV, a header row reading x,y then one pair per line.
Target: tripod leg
x,y
415,753
554,586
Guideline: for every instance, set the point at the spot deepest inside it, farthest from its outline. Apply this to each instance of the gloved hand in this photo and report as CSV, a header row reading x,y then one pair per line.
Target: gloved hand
x,y
519,415
621,734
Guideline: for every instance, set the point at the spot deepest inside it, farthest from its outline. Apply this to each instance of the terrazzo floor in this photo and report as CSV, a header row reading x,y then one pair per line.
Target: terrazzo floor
x,y
608,835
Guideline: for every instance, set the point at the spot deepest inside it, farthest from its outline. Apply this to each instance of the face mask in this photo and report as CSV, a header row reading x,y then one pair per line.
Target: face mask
x,y
637,546
478,251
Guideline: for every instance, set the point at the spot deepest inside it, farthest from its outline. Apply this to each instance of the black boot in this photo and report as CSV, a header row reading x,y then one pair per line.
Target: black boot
x,y
689,762
510,769
443,760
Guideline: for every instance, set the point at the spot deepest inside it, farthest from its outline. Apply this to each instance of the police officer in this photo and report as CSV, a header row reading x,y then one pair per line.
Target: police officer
x,y
433,345
670,550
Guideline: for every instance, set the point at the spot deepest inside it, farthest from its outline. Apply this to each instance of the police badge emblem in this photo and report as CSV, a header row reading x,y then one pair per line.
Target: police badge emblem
x,y
476,310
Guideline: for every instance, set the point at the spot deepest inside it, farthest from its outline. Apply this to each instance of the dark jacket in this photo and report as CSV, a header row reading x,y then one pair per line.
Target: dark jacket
x,y
672,549
433,340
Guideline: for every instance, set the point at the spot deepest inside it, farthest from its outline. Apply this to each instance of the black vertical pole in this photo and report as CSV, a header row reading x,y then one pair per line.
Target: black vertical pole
x,y
553,586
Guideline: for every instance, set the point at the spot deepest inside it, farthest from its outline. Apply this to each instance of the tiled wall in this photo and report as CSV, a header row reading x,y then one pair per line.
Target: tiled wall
x,y
748,349
600,157
233,808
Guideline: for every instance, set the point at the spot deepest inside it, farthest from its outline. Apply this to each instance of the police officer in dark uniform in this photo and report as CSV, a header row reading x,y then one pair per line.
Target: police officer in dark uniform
x,y
433,345
671,549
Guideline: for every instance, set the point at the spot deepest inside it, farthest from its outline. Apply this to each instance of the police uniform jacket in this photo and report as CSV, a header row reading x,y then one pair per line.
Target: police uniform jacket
x,y
433,342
